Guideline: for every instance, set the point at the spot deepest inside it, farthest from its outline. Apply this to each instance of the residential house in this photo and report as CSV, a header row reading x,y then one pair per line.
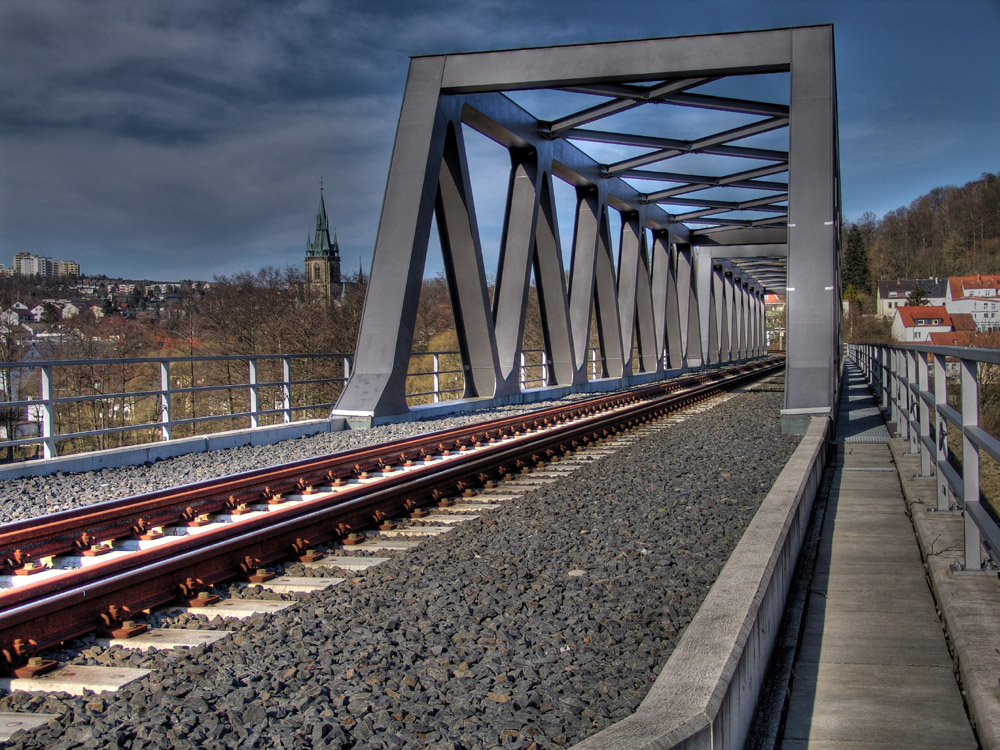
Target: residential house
x,y
981,339
37,312
912,324
71,310
978,296
892,294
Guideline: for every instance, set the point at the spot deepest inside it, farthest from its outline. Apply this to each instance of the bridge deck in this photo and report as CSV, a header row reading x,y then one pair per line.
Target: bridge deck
x,y
873,668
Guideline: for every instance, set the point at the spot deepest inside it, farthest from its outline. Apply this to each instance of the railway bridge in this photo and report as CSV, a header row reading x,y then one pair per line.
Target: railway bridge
x,y
819,631
696,252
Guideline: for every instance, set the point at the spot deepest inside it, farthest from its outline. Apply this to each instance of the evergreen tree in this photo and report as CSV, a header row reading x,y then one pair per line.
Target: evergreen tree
x,y
855,271
918,297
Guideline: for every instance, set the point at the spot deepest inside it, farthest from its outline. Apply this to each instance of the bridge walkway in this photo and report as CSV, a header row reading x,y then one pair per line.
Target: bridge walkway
x,y
873,669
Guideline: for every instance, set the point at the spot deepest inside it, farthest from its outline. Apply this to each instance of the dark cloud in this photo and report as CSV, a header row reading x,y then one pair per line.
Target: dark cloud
x,y
184,138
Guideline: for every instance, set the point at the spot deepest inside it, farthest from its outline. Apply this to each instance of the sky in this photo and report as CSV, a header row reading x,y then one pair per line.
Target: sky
x,y
186,139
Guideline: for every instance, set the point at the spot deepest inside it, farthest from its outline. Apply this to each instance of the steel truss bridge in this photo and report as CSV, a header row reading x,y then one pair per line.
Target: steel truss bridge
x,y
688,288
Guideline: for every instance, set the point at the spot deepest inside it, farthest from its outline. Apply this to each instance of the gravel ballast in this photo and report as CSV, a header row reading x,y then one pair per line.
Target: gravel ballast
x,y
29,497
534,626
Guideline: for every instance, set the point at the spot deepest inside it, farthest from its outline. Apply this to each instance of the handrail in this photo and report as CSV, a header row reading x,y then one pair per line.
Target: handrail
x,y
155,395
58,390
899,376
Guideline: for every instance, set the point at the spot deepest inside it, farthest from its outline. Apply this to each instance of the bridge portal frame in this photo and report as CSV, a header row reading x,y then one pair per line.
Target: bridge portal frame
x,y
684,307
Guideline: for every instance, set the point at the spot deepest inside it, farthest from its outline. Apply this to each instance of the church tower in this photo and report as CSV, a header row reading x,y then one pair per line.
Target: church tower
x,y
322,258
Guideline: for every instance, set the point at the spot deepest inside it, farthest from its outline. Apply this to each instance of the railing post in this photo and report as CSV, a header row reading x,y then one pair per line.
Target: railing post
x,y
165,420
912,402
286,390
523,377
924,414
970,460
254,420
436,377
941,429
545,370
593,364
48,414
890,385
885,361
899,375
347,367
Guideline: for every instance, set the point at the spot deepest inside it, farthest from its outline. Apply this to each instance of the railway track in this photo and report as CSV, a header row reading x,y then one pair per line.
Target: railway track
x,y
83,570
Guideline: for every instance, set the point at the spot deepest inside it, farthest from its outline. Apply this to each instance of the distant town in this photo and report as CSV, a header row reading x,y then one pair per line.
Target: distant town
x,y
97,296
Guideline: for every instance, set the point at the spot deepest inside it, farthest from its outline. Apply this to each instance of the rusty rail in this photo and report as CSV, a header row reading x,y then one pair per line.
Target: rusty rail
x,y
40,614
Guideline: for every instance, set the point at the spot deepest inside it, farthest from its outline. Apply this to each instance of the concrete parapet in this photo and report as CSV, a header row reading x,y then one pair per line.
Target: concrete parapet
x,y
706,694
969,602
150,452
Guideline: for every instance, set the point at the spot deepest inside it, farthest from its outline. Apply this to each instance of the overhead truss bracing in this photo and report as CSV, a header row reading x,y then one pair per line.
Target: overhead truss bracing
x,y
666,293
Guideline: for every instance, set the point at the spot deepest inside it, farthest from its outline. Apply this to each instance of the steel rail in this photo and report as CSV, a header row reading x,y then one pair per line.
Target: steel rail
x,y
63,532
37,615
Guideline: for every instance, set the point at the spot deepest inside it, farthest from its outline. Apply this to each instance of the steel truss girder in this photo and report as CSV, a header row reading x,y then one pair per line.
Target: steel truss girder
x,y
679,309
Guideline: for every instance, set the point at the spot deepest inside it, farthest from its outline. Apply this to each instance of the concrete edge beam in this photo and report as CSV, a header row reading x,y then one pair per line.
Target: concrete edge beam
x,y
706,694
366,419
144,454
969,603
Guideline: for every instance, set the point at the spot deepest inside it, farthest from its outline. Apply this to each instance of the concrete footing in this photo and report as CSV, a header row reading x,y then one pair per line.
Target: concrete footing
x,y
13,722
75,680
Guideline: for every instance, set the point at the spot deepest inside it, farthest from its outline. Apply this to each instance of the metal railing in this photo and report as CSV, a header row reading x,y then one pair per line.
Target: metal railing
x,y
922,404
92,404
152,397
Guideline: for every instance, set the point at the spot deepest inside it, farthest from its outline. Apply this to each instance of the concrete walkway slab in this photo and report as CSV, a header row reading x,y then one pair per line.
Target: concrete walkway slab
x,y
873,669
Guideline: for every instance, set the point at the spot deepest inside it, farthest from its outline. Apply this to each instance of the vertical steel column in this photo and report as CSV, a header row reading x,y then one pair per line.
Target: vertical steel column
x,y
462,253
702,279
715,315
729,297
675,330
744,318
690,319
550,283
970,461
510,298
635,304
813,300
660,293
378,384
582,270
761,324
609,327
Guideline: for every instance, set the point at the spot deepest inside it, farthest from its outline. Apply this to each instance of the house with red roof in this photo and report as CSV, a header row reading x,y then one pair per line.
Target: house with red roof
x,y
978,296
913,324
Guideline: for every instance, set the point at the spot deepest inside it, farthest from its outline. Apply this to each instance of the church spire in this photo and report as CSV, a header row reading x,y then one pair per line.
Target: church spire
x,y
322,259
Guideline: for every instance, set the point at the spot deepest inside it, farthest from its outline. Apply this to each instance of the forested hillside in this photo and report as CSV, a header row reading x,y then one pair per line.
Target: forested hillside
x,y
950,231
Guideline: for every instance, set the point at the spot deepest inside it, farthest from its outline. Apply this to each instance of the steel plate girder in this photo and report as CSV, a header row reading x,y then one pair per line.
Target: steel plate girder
x,y
610,62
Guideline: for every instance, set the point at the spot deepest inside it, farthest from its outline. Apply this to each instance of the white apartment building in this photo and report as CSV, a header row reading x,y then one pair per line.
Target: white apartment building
x,y
978,296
